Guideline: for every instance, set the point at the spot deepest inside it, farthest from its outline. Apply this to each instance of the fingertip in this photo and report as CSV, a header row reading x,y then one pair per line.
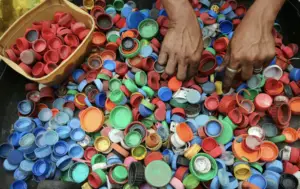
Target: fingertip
x,y
162,58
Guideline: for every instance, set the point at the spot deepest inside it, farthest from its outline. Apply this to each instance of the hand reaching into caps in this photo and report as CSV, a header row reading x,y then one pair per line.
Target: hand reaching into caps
x,y
182,46
252,45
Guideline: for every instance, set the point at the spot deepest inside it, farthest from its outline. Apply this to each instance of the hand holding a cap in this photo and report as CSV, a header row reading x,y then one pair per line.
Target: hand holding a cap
x,y
252,45
182,46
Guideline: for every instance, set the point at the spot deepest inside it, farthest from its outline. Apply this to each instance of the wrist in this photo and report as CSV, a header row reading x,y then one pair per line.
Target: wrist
x,y
177,9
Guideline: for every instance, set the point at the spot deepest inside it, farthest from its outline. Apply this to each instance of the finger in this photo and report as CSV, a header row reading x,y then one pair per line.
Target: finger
x,y
247,71
230,73
193,69
225,63
258,67
171,65
163,57
182,70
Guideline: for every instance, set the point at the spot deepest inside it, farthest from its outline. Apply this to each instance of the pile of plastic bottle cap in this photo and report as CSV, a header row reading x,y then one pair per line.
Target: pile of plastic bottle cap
x,y
119,121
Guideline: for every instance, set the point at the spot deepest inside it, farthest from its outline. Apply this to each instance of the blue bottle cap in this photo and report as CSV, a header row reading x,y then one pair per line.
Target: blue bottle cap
x,y
215,184
60,148
165,94
82,85
74,123
145,12
220,164
133,19
100,99
221,17
64,163
76,74
20,175
174,162
205,2
272,175
226,11
142,92
40,168
69,112
228,146
87,102
231,15
219,60
99,84
28,149
126,11
226,27
54,158
254,171
193,96
51,137
42,152
15,157
40,140
26,165
25,107
38,130
295,74
27,140
230,35
63,131
213,14
59,103
168,155
76,151
258,180
208,87
163,133
14,138
275,166
193,125
213,128
30,156
144,111
9,167
177,118
223,177
273,62
77,134
154,56
23,124
168,116
242,86
109,65
163,12
146,51
196,140
130,75
45,114
18,184
201,120
122,30
5,148
233,182
114,161
70,98
51,171
62,118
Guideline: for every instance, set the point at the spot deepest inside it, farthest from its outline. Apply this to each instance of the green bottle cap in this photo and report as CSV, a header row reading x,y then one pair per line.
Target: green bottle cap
x,y
72,92
117,96
277,139
130,85
103,77
191,182
158,173
118,4
148,104
227,134
119,173
120,117
150,93
141,78
98,158
114,84
133,139
148,28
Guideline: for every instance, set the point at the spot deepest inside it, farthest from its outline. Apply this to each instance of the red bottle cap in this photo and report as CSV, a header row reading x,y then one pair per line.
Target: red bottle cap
x,y
64,52
254,118
207,66
78,27
71,40
152,156
51,56
55,43
294,156
25,67
39,45
180,172
96,11
11,55
47,34
238,132
31,87
221,44
121,68
15,49
273,87
295,88
160,114
287,52
148,64
49,67
22,44
216,152
153,80
125,90
211,103
38,70
62,31
116,18
208,144
65,20
179,111
83,34
236,116
285,78
244,122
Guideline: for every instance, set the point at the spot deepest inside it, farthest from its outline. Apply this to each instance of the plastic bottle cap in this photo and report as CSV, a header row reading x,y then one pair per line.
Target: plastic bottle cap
x,y
120,173
19,184
102,144
290,134
76,151
91,119
193,96
211,103
174,84
226,27
273,71
288,181
133,139
269,151
270,129
184,132
120,113
79,172
213,128
51,137
134,19
27,140
263,101
165,94
158,173
5,148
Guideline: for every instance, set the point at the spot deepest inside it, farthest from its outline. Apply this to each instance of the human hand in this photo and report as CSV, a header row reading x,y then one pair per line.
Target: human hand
x,y
251,47
182,46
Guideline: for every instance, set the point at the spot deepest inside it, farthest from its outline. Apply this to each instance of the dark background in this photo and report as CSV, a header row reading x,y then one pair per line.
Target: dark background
x,y
12,84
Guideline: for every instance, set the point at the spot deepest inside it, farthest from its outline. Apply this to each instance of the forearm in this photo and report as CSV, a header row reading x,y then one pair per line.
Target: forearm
x,y
267,10
177,8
